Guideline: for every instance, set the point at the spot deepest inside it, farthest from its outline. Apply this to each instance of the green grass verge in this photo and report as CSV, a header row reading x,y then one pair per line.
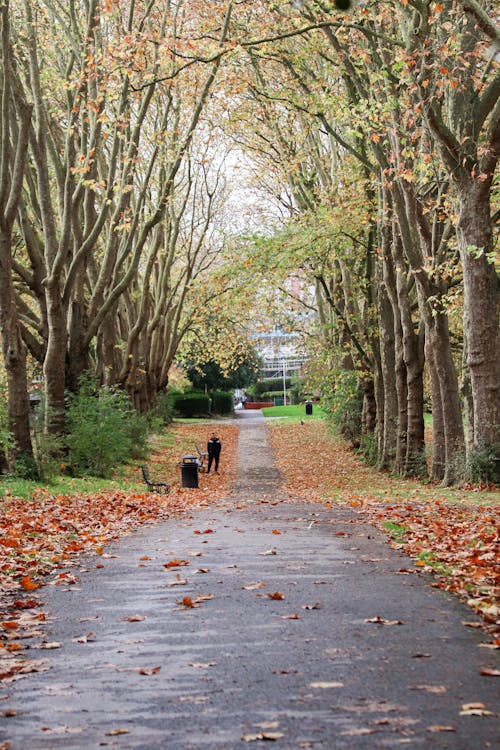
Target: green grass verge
x,y
61,485
297,412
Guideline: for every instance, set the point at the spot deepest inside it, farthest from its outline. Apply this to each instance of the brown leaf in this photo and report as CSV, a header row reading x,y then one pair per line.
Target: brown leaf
x,y
271,736
428,688
276,596
316,605
203,598
475,709
134,618
290,617
188,603
116,732
254,586
175,563
178,581
441,728
490,672
381,621
149,670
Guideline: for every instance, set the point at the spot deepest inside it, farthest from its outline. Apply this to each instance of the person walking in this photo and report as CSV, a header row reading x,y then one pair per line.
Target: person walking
x,y
214,447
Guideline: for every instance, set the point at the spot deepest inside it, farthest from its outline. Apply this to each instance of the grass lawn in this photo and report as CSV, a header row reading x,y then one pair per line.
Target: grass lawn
x,y
296,412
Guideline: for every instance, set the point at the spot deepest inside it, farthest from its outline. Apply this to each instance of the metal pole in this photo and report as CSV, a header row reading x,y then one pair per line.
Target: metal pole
x,y
284,383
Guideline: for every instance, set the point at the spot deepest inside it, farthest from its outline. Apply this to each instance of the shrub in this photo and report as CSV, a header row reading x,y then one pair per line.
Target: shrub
x,y
483,465
222,402
344,404
104,429
270,384
164,409
192,404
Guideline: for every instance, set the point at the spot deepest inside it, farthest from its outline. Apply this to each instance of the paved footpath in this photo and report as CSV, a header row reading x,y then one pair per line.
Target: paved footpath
x,y
241,669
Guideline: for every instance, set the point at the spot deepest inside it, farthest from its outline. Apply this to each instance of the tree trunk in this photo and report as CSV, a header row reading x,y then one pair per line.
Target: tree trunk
x,y
438,437
14,357
480,313
387,451
54,369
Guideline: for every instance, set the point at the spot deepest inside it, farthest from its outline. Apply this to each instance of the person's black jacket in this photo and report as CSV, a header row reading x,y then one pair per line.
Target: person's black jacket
x,y
214,447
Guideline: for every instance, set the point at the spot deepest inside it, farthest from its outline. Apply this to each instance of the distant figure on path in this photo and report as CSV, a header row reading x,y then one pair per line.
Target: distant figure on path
x,y
214,447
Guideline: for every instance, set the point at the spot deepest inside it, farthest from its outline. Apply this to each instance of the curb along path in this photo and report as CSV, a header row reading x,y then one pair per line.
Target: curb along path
x,y
296,624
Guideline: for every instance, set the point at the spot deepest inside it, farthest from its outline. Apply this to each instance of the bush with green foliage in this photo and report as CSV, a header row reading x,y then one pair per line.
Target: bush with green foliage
x,y
222,402
344,403
482,465
269,384
192,404
164,409
103,429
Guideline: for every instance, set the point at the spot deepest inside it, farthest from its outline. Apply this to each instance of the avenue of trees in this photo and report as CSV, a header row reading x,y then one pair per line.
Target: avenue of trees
x,y
373,134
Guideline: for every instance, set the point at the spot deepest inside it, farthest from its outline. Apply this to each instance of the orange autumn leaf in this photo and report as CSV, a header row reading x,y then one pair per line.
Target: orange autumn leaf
x,y
276,596
175,563
10,625
28,584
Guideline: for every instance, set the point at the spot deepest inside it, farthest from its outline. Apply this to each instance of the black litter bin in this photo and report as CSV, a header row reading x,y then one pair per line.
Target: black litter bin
x,y
309,407
189,471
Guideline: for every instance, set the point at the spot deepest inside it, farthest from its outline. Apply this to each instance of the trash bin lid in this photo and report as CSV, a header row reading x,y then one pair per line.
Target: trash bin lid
x,y
190,459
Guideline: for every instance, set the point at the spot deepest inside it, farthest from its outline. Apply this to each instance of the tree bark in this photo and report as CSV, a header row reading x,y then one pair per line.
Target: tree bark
x,y
481,307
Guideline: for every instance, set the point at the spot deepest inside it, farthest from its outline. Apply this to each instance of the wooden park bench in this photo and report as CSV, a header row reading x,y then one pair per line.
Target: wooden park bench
x,y
160,488
202,458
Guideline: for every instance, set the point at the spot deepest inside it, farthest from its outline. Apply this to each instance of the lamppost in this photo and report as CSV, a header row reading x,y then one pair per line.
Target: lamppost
x,y
284,383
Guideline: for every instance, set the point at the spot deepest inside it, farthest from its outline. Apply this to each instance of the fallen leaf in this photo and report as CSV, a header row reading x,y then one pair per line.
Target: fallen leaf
x,y
475,709
28,584
271,736
381,621
116,732
202,570
52,644
204,597
326,685
316,605
269,552
134,618
202,665
428,688
86,638
276,596
254,586
441,728
178,582
188,603
149,670
175,563
290,617
490,672
10,625
276,531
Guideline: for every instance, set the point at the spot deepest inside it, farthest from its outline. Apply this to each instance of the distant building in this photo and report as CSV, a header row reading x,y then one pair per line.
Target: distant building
x,y
280,353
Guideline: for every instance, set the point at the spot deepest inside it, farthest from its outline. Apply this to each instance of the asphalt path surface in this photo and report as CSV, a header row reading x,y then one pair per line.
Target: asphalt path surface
x,y
319,636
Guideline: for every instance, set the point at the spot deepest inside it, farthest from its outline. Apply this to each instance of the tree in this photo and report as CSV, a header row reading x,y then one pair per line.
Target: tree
x,y
15,116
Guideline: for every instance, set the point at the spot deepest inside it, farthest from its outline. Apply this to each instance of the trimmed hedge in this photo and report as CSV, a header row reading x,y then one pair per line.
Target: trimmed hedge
x,y
222,402
192,404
